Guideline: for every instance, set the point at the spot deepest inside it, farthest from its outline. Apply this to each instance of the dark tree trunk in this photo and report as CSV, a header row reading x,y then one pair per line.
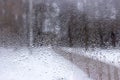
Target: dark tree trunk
x,y
113,39
101,37
86,36
70,36
86,31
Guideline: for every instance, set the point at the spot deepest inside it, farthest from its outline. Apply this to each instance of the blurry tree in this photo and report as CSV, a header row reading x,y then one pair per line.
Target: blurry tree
x,y
39,13
72,24
11,21
85,30
113,34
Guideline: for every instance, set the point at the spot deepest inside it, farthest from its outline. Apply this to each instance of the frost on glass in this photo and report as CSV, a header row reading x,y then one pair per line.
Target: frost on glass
x,y
59,39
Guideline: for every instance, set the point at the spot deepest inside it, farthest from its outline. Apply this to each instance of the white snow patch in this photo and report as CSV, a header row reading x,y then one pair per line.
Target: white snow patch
x,y
109,56
39,64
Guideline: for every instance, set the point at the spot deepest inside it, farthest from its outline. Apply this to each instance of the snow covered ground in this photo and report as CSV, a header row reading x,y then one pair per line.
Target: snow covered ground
x,y
110,56
37,64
